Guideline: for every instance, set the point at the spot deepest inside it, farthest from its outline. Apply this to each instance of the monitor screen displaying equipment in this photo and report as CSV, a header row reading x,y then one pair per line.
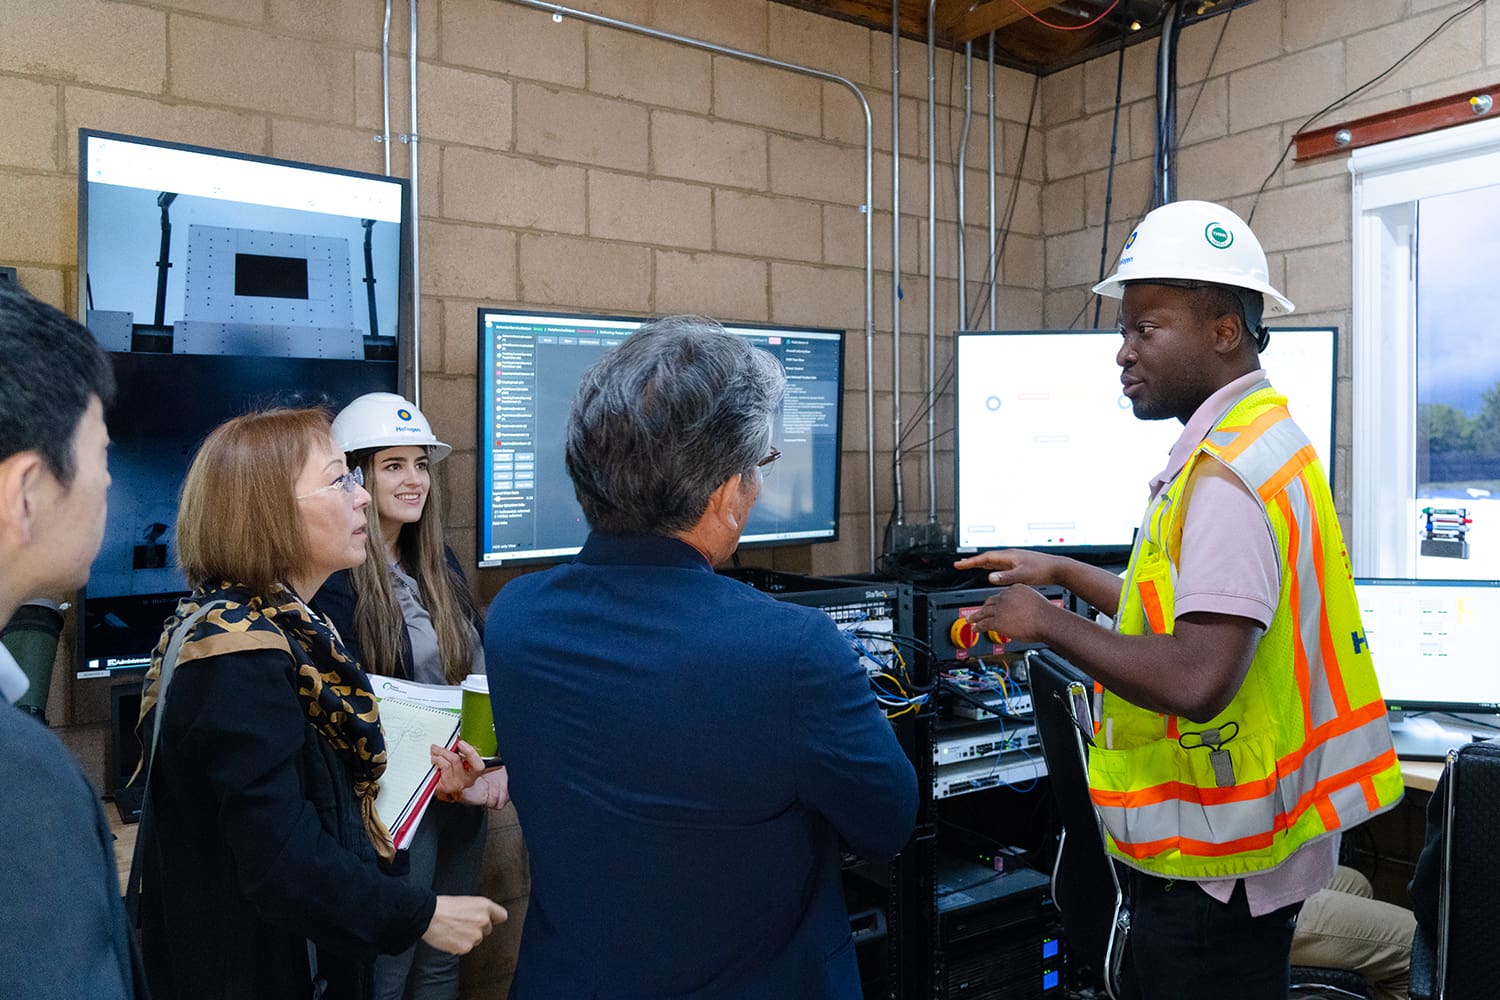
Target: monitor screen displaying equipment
x,y
1432,642
1049,453
219,283
530,366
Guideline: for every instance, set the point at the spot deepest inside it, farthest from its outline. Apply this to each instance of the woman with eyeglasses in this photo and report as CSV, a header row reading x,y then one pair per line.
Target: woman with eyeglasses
x,y
263,859
406,612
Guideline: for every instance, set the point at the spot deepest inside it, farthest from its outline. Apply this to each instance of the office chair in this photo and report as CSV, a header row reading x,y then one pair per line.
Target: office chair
x,y
1085,882
1459,964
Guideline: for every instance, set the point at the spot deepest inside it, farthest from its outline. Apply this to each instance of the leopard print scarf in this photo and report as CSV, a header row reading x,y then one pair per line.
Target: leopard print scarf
x,y
333,689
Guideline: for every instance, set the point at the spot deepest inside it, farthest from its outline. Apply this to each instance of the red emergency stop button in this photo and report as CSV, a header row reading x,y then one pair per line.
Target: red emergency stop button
x,y
963,635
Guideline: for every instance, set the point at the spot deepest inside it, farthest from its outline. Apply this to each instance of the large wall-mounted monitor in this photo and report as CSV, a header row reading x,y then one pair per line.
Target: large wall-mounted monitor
x,y
530,365
219,283
1050,455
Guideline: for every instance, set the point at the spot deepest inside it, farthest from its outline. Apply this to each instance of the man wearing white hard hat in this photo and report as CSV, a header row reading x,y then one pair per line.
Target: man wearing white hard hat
x,y
1240,727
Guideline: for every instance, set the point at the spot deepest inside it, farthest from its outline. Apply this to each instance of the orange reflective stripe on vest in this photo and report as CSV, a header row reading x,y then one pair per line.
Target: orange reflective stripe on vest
x,y
1304,748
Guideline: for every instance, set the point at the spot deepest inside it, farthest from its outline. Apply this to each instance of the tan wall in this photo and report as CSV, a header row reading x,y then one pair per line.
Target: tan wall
x,y
581,167
1280,61
562,164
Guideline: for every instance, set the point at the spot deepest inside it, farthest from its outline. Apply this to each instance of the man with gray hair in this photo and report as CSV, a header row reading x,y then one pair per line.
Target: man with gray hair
x,y
686,754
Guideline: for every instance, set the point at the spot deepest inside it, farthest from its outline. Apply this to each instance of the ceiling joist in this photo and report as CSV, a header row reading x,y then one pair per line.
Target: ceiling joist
x,y
958,21
1036,36
966,20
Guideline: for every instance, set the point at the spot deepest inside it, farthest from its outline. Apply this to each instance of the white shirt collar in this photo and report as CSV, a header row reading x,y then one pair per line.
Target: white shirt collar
x,y
13,680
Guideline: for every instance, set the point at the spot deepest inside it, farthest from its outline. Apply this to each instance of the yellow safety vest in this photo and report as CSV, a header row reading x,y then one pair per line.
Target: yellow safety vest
x,y
1304,749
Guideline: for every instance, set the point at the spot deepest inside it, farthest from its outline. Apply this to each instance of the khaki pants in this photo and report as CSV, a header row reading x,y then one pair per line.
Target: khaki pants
x,y
1343,927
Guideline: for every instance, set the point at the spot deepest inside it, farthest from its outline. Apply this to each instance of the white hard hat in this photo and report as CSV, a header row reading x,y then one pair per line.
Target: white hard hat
x,y
385,420
1195,241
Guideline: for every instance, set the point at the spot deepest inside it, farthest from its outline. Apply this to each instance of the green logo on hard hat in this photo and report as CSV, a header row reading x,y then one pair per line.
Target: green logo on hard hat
x,y
1218,235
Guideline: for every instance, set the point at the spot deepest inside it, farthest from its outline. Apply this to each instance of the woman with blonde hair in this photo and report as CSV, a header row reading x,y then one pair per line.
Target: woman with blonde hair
x,y
262,853
406,611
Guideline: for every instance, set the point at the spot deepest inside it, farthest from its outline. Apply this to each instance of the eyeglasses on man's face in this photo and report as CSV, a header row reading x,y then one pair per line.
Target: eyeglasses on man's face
x,y
775,454
347,483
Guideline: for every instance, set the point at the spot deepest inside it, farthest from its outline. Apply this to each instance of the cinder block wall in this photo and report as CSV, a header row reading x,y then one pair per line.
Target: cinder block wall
x,y
562,164
1247,82
580,167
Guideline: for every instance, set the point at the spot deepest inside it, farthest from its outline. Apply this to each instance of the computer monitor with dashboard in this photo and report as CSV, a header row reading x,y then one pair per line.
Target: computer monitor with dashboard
x,y
1433,645
530,365
1049,453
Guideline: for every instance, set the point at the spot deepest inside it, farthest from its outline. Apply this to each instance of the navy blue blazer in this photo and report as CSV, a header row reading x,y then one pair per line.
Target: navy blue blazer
x,y
685,756
63,932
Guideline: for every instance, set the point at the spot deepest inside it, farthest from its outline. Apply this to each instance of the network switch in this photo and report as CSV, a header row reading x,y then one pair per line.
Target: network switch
x,y
992,772
974,746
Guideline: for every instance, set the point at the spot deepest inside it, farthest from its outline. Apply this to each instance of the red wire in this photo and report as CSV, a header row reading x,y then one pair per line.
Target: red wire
x,y
1062,27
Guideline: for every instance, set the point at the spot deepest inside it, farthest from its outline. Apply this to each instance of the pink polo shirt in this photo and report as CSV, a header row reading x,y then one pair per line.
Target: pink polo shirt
x,y
1229,566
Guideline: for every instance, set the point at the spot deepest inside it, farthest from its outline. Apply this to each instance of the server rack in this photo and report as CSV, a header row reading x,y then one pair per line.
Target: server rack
x,y
993,931
941,937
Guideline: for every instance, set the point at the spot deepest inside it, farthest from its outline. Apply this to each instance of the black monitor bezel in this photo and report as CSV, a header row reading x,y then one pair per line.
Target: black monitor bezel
x,y
588,317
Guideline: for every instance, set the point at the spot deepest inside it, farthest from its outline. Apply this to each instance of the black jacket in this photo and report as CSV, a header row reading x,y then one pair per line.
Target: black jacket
x,y
253,844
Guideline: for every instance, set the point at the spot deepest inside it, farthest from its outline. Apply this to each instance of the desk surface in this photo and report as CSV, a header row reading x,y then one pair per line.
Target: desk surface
x,y
1421,775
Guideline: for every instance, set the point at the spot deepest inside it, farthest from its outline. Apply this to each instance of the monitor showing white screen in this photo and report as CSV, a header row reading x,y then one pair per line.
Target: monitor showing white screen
x,y
219,283
1433,642
1049,452
531,364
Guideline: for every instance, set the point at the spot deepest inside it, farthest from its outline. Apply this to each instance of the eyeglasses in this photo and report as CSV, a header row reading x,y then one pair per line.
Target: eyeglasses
x,y
347,483
775,454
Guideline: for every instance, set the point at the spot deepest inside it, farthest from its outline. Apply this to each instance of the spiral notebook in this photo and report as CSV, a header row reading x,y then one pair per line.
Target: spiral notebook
x,y
409,780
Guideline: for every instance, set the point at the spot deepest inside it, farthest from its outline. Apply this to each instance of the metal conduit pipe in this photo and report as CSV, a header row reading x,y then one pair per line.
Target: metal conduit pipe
x,y
410,138
899,514
963,283
1166,55
963,155
385,91
416,217
559,11
931,238
994,264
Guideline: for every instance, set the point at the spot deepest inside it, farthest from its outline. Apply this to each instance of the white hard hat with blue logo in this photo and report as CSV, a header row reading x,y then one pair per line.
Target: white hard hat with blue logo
x,y
1195,241
385,420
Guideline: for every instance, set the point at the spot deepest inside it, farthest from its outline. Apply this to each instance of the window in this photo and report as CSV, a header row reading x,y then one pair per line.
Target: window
x,y
1426,364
